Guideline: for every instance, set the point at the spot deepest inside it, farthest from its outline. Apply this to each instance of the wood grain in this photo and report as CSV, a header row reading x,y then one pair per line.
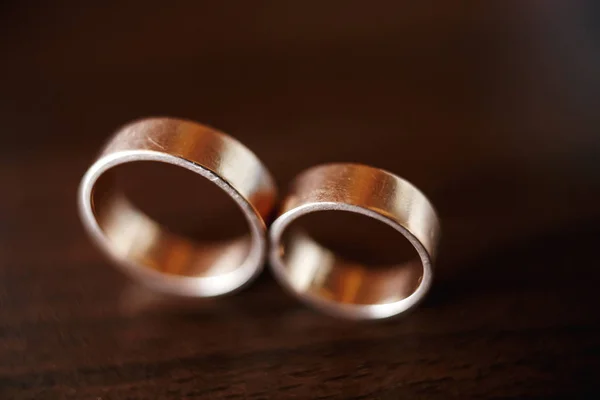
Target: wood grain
x,y
490,108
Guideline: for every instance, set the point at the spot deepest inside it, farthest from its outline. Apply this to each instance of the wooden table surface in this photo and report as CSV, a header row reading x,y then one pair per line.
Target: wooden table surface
x,y
490,108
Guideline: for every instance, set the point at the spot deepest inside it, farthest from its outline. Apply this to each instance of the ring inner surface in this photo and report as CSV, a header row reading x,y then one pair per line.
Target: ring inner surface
x,y
350,258
181,224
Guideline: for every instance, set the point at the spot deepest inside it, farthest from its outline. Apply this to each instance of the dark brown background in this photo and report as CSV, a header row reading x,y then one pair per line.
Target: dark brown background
x,y
490,107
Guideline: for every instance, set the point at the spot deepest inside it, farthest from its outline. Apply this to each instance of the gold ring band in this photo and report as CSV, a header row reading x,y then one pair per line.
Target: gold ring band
x,y
324,279
148,251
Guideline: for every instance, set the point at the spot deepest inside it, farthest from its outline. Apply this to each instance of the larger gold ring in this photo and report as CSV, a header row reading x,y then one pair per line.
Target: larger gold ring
x,y
149,252
323,278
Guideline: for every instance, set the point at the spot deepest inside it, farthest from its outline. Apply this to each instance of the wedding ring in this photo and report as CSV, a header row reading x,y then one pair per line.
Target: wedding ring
x,y
338,285
149,252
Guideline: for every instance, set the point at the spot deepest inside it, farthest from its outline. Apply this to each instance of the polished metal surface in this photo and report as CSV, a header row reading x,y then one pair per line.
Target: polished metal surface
x,y
339,286
149,252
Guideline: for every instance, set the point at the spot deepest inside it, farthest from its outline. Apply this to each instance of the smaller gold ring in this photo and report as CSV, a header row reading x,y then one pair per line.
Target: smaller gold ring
x,y
149,252
324,279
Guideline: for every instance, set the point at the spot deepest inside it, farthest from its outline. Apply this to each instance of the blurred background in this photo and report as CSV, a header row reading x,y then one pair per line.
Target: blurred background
x,y
491,108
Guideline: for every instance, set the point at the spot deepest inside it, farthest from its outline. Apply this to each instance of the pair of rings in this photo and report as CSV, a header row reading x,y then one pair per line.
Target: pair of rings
x,y
317,275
